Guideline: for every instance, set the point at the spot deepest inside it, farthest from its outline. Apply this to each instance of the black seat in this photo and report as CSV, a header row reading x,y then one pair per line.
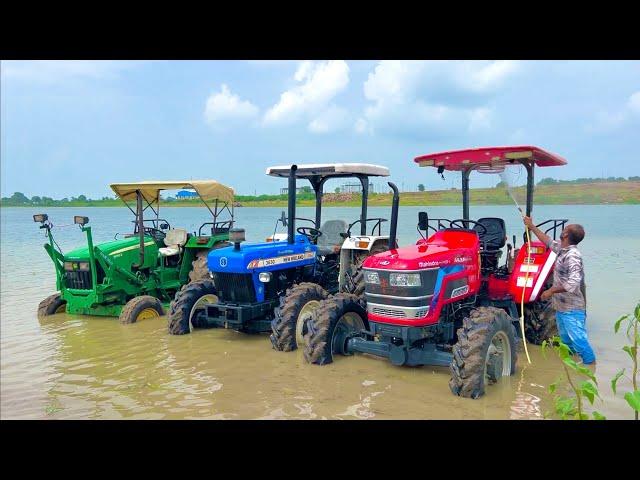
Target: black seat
x,y
496,235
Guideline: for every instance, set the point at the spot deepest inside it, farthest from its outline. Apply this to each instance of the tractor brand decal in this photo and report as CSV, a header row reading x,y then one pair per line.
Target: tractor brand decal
x,y
384,262
459,291
223,261
132,247
432,263
462,259
268,262
520,282
529,268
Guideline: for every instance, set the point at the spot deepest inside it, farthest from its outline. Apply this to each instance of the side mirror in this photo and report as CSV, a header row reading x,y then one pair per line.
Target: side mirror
x,y
40,217
423,221
283,219
79,220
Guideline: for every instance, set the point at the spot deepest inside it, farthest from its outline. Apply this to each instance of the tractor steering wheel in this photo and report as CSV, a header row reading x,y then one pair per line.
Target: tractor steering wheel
x,y
311,233
157,234
457,225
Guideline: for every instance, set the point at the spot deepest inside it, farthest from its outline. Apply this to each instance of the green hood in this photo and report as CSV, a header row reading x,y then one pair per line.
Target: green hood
x,y
107,248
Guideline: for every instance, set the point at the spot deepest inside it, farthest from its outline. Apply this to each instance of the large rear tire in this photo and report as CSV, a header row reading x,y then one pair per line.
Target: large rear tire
x,y
141,308
539,322
199,268
332,322
296,307
354,283
486,350
51,305
188,303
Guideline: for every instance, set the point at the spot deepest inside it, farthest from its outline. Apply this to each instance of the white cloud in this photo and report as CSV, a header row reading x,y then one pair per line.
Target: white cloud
x,y
56,71
332,119
224,107
634,103
319,83
361,125
432,98
609,121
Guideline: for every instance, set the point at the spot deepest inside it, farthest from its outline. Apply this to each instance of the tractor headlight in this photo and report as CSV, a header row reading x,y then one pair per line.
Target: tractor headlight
x,y
371,277
264,277
83,266
80,220
405,280
68,266
40,217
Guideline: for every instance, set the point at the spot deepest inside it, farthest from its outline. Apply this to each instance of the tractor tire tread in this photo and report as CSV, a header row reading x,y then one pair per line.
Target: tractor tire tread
x,y
132,307
183,302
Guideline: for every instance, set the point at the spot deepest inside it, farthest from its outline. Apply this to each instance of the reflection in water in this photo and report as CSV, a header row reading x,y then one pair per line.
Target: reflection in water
x,y
87,367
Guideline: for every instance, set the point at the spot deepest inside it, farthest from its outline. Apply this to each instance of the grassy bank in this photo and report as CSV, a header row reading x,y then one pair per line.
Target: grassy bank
x,y
627,192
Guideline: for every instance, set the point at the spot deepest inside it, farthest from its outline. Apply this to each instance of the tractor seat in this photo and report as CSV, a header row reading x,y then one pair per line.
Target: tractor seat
x,y
495,237
174,241
330,241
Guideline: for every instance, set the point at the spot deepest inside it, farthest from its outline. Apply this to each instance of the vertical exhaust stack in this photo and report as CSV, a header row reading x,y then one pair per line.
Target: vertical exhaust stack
x,y
393,228
292,205
140,219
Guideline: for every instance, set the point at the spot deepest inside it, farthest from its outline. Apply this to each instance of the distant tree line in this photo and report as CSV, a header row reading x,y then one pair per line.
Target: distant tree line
x,y
553,181
20,199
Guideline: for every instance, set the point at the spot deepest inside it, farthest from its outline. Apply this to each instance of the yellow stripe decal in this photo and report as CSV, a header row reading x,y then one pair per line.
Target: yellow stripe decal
x,y
132,247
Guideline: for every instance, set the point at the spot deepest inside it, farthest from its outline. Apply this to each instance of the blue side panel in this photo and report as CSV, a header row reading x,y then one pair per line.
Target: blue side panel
x,y
444,271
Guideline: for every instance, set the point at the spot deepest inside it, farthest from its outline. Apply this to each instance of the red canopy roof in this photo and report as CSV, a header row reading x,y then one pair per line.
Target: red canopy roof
x,y
489,157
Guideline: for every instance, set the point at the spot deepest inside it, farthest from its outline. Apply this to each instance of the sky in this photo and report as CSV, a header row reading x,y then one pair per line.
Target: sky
x,y
72,127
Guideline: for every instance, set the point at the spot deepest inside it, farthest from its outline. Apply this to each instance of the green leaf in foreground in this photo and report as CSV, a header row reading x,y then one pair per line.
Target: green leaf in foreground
x,y
589,391
630,350
614,380
616,327
633,399
598,416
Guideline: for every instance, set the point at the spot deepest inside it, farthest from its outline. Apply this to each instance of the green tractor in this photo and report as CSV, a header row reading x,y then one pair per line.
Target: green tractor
x,y
136,277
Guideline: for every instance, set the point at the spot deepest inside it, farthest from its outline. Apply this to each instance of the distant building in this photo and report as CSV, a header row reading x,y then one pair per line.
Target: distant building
x,y
185,194
285,190
354,188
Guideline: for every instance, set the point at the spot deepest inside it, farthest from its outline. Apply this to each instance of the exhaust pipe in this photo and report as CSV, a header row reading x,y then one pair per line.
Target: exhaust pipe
x,y
393,228
292,204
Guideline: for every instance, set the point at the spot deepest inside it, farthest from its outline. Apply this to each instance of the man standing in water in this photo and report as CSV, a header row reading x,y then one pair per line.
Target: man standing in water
x,y
568,291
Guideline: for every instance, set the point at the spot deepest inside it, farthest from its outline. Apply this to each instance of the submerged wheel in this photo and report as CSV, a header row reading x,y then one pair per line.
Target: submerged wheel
x,y
188,304
355,277
296,307
485,351
331,324
51,305
539,322
141,308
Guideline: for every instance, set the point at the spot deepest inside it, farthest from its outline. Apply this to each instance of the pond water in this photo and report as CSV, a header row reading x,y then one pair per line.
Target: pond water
x,y
88,367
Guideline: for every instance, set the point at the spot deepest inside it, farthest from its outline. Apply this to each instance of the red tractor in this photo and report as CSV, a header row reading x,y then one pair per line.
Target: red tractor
x,y
449,300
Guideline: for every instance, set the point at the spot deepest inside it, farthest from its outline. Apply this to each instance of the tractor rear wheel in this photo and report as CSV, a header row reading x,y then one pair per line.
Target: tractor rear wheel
x,y
296,307
355,278
187,305
331,324
485,351
51,305
141,308
539,322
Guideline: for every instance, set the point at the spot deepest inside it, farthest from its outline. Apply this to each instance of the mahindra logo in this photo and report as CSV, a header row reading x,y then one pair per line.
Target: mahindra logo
x,y
384,262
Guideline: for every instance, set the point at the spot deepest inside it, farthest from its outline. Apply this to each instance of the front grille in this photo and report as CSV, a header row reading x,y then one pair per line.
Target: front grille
x,y
234,287
77,279
389,312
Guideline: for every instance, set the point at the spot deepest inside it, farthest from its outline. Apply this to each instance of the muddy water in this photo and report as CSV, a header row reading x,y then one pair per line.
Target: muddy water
x,y
87,367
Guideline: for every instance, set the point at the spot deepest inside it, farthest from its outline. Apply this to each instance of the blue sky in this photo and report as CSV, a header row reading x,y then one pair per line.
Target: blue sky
x,y
72,127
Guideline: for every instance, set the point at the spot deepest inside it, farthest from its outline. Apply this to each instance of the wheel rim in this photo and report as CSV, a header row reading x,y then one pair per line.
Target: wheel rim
x,y
348,323
61,309
147,313
499,351
199,305
303,317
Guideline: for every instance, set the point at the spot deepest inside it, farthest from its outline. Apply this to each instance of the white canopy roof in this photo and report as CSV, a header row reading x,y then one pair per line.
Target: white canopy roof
x,y
329,170
207,189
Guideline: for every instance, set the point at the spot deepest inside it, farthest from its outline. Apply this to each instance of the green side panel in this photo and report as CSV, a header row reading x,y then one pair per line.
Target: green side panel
x,y
206,241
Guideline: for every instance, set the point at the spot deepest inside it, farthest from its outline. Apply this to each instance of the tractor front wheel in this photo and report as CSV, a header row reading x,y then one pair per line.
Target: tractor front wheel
x,y
141,308
331,324
188,304
539,322
296,307
51,305
485,351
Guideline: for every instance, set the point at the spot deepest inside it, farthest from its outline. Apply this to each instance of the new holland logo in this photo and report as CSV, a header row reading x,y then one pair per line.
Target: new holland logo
x,y
223,261
268,262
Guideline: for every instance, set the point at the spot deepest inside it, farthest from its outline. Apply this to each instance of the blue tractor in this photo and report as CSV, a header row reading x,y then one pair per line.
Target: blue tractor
x,y
274,286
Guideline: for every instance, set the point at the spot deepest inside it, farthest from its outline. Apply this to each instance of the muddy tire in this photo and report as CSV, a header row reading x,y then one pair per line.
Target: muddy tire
x,y
330,323
486,345
289,323
354,283
183,310
51,305
539,322
140,308
199,268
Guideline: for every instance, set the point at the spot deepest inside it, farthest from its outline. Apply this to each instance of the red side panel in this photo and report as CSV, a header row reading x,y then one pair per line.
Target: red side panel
x,y
533,273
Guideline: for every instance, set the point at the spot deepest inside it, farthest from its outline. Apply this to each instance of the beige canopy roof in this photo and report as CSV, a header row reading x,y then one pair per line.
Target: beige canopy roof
x,y
207,189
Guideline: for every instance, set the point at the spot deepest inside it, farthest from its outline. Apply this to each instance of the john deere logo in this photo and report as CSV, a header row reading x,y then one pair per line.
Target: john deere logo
x,y
223,261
